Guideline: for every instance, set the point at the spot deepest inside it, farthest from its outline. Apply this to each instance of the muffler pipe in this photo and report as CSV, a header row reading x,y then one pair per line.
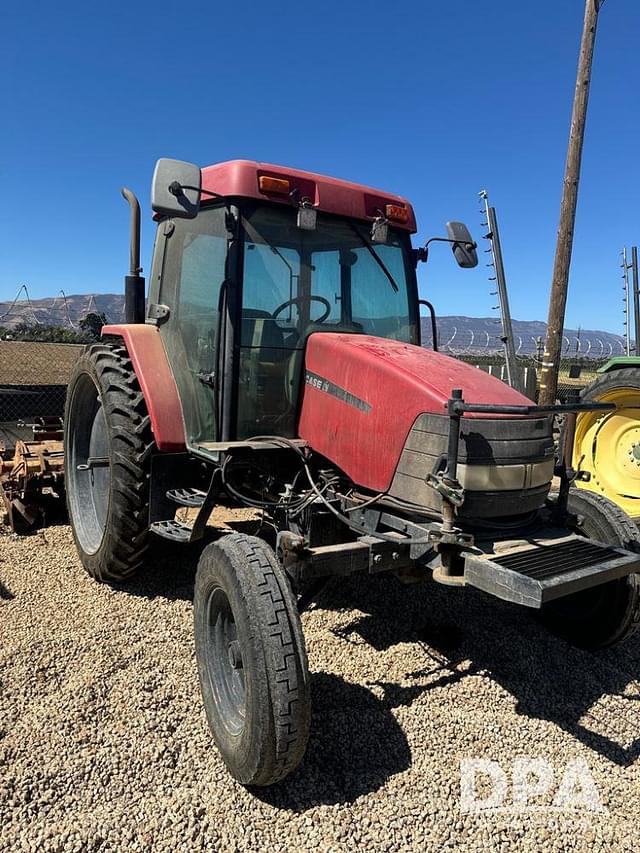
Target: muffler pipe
x,y
134,308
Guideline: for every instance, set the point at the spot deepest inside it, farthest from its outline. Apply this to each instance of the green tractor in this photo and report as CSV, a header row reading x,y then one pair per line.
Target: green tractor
x,y
607,443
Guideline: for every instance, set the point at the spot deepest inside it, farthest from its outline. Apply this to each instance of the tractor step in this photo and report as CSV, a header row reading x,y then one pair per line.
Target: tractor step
x,y
171,529
187,497
533,573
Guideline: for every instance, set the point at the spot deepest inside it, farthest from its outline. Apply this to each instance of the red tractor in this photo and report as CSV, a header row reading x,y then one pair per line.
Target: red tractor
x,y
278,365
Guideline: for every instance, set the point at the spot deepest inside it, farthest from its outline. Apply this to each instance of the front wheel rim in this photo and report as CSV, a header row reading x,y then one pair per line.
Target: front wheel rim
x,y
224,663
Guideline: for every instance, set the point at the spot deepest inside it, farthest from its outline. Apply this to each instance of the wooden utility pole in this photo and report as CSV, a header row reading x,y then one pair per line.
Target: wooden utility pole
x,y
564,245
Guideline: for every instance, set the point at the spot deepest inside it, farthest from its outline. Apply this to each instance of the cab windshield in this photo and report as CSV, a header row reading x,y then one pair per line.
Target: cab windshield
x,y
316,280
297,282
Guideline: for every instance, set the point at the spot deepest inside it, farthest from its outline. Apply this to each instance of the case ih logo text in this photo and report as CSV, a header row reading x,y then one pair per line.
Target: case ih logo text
x,y
316,382
328,387
535,787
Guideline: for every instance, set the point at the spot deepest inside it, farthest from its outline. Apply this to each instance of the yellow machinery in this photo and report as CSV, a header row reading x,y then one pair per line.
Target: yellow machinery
x,y
607,444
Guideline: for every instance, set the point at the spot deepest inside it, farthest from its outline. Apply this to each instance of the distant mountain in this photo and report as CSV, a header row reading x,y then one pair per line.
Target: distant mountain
x,y
460,335
62,310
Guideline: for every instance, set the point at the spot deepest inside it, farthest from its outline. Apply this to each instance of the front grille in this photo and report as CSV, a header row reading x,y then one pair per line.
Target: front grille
x,y
545,561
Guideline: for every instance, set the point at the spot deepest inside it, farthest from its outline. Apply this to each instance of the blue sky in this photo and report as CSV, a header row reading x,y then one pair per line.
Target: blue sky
x,y
432,100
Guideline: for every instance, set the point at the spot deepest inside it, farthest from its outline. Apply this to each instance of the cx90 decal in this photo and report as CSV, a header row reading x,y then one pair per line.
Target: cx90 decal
x,y
322,384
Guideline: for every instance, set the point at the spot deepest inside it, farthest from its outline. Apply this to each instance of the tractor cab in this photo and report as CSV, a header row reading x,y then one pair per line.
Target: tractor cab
x,y
241,280
246,302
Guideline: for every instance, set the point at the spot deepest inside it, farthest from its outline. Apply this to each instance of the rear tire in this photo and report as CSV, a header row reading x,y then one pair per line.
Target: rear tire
x,y
607,444
610,613
251,660
106,421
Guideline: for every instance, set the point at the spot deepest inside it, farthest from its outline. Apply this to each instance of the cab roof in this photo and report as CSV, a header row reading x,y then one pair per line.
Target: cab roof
x,y
241,178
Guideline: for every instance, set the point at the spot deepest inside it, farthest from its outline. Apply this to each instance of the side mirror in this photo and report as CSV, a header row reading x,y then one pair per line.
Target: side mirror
x,y
462,246
175,189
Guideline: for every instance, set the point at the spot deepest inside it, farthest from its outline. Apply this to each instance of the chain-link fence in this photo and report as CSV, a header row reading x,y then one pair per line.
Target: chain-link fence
x,y
33,384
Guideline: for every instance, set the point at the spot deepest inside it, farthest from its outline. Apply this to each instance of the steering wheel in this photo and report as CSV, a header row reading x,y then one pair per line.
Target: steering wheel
x,y
298,299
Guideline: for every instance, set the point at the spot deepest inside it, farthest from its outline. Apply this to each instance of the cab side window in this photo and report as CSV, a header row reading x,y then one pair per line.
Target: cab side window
x,y
194,271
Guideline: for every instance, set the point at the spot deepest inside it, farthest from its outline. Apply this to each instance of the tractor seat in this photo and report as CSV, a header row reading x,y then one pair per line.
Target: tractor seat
x,y
261,331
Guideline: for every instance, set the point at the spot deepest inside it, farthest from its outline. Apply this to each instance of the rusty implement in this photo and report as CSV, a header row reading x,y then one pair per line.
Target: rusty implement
x,y
33,477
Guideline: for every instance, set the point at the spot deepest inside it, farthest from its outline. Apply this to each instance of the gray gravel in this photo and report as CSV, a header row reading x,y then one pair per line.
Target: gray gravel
x,y
104,745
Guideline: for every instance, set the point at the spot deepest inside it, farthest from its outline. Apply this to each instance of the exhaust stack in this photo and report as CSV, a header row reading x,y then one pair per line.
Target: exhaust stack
x,y
134,307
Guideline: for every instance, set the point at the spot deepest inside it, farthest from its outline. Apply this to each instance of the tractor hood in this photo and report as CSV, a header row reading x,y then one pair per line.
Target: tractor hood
x,y
364,398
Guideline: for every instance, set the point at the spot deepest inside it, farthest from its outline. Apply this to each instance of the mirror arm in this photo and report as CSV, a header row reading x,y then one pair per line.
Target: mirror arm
x,y
177,189
423,252
472,245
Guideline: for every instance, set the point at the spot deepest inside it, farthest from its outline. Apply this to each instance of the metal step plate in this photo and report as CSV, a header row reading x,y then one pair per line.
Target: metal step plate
x,y
540,571
187,497
171,529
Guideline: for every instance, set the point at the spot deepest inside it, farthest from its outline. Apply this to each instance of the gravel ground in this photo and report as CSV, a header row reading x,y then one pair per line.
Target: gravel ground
x,y
104,745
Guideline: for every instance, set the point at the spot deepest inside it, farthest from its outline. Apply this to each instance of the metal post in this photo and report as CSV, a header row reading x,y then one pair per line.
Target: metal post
x,y
636,296
513,376
560,280
434,325
566,472
451,471
448,554
625,301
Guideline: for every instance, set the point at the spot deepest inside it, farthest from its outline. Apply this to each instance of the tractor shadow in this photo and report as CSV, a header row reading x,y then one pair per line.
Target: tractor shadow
x,y
170,568
336,768
169,572
355,746
465,633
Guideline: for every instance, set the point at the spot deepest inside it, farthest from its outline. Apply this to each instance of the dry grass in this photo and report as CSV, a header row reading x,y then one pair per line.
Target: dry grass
x,y
35,363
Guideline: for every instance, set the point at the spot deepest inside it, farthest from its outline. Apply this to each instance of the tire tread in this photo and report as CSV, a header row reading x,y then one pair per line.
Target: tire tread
x,y
277,635
125,543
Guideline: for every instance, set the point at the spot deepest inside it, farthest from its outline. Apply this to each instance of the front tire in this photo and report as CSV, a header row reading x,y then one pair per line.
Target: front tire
x,y
108,445
251,659
604,615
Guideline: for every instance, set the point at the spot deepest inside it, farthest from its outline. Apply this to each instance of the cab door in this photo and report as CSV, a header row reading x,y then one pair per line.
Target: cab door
x,y
192,277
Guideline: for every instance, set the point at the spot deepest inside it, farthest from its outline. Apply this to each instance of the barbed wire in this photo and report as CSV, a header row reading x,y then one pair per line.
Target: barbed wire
x,y
482,344
60,313
23,287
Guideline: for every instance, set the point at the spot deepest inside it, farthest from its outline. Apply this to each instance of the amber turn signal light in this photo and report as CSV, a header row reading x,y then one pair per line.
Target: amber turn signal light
x,y
396,212
268,184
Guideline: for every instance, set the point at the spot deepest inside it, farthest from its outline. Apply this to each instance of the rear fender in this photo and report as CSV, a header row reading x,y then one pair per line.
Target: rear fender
x,y
152,369
619,363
